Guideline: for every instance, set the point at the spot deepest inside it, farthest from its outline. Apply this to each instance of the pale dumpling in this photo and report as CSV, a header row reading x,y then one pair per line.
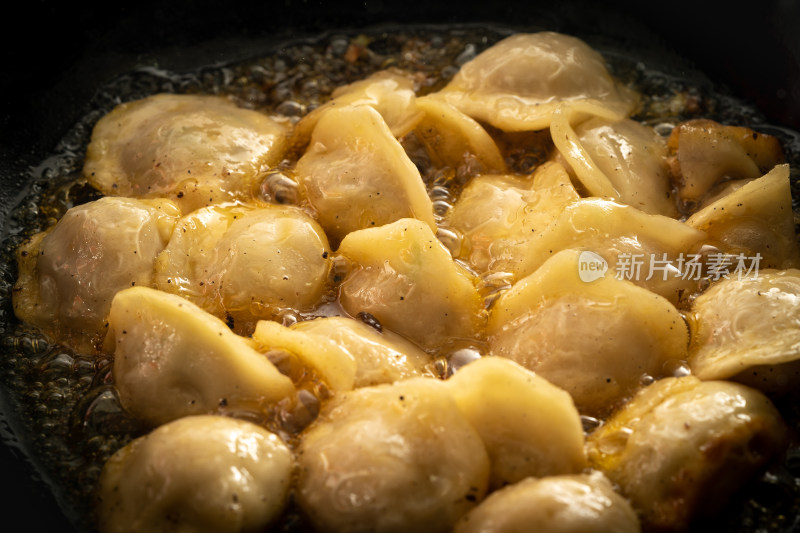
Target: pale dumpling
x,y
756,219
347,353
529,426
172,359
516,84
597,338
69,274
243,263
582,503
356,175
706,153
622,159
499,215
198,474
197,150
405,278
748,330
389,92
682,447
652,251
391,458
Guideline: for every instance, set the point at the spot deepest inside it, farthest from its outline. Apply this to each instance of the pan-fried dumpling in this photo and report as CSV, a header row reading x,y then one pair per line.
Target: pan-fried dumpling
x,y
749,330
516,84
706,153
756,218
69,274
620,159
595,338
406,279
172,359
391,458
652,251
356,175
347,353
389,92
499,215
585,503
455,140
529,426
682,447
211,474
196,150
243,263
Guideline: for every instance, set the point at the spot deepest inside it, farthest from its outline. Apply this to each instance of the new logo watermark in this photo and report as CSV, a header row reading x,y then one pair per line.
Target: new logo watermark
x,y
636,267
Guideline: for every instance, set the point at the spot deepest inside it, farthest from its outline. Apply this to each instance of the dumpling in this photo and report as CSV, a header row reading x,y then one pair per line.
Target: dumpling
x,y
454,140
356,175
243,264
69,274
172,359
707,153
405,278
389,92
596,338
652,251
529,426
516,84
499,215
196,150
682,447
201,473
347,353
756,218
583,503
748,330
620,159
391,458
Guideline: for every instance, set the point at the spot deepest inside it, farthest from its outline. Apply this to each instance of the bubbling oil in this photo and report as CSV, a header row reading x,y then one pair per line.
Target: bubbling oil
x,y
67,401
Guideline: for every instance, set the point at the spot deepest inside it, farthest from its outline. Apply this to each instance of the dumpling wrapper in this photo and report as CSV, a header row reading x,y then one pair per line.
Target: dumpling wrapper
x,y
749,330
756,218
406,279
198,150
619,159
391,458
244,264
624,237
212,474
529,426
596,339
172,359
499,215
682,447
583,503
389,92
347,353
516,84
69,274
356,175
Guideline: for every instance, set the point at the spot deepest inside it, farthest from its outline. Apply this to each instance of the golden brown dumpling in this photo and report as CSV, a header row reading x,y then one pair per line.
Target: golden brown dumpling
x,y
405,278
69,274
202,473
196,150
391,458
682,447
172,359
356,175
594,337
516,84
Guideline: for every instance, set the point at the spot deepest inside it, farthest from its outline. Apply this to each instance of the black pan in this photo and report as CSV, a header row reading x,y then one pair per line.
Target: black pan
x,y
58,56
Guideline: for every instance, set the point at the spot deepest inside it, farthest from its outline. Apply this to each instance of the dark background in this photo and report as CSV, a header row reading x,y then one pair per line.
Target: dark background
x,y
55,56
